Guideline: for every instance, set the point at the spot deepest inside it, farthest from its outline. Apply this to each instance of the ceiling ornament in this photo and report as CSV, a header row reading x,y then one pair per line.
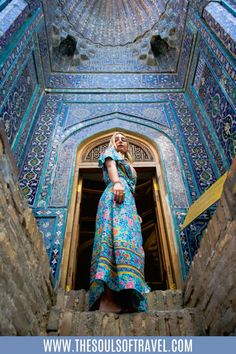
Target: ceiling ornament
x,y
112,22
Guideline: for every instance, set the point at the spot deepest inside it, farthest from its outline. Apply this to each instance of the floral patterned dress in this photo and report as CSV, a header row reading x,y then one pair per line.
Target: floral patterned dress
x,y
118,255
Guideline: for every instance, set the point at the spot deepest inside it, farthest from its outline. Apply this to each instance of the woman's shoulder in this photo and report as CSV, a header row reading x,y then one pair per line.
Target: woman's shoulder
x,y
111,152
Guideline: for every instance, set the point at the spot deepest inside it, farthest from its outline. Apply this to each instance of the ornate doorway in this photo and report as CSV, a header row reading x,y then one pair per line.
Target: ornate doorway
x,y
162,269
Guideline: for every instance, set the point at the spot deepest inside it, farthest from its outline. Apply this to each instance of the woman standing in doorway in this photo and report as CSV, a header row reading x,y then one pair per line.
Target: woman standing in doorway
x,y
117,268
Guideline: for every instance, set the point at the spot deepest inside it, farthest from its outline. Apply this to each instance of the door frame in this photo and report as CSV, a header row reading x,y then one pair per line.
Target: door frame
x,y
163,215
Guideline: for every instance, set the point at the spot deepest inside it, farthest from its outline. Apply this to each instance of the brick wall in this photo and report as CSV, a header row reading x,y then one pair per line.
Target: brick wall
x,y
211,282
26,289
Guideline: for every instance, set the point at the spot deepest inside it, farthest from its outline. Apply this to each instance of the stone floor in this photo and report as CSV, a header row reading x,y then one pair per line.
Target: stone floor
x,y
166,317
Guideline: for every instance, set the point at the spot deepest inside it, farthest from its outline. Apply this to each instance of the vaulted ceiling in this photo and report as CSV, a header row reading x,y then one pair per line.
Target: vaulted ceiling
x,y
112,22
115,35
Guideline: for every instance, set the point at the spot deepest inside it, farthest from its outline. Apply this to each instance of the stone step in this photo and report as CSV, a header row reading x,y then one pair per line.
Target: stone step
x,y
77,300
180,322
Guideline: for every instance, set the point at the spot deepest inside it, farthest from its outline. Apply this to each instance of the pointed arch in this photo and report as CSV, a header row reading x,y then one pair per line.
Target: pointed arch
x,y
162,152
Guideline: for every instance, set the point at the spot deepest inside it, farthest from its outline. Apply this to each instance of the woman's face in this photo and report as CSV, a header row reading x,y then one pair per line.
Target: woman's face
x,y
121,143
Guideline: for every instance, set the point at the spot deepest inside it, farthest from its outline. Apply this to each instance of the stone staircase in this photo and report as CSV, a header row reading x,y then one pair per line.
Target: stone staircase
x,y
166,317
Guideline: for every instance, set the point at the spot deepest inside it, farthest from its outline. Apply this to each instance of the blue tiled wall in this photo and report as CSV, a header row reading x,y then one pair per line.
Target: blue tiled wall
x,y
21,73
190,115
211,96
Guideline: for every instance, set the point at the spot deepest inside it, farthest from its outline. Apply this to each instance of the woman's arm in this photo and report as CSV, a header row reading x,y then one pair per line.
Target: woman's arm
x,y
118,188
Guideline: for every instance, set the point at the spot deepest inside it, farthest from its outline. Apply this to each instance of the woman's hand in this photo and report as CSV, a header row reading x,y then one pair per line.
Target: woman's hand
x,y
140,219
119,192
118,188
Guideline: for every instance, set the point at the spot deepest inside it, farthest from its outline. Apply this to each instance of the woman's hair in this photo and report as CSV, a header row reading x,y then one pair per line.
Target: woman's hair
x,y
112,143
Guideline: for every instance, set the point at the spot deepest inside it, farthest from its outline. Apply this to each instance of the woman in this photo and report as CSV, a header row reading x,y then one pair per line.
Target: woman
x,y
117,269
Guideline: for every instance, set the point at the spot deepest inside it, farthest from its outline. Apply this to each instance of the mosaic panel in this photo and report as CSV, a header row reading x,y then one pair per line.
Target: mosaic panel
x,y
225,80
19,53
196,149
46,227
18,100
37,56
211,42
219,111
180,216
117,61
11,18
52,227
19,147
124,80
214,149
193,233
82,112
38,147
21,144
133,97
191,236
8,78
44,192
105,81
199,61
222,22
21,88
43,50
34,4
120,80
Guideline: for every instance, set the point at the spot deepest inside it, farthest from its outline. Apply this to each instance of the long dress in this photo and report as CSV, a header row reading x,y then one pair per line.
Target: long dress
x,y
118,255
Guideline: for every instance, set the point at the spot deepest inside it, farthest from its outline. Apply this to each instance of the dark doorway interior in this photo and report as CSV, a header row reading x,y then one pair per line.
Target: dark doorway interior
x,y
93,186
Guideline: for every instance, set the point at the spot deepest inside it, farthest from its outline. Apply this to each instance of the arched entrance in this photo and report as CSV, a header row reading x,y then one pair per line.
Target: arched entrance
x,y
162,269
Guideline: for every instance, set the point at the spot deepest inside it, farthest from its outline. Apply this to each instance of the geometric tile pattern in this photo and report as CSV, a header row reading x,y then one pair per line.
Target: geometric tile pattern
x,y
52,227
215,151
40,140
213,43
226,76
11,18
47,226
186,258
102,40
21,82
45,190
15,59
21,144
221,114
204,56
18,100
134,78
196,149
222,22
82,112
191,236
